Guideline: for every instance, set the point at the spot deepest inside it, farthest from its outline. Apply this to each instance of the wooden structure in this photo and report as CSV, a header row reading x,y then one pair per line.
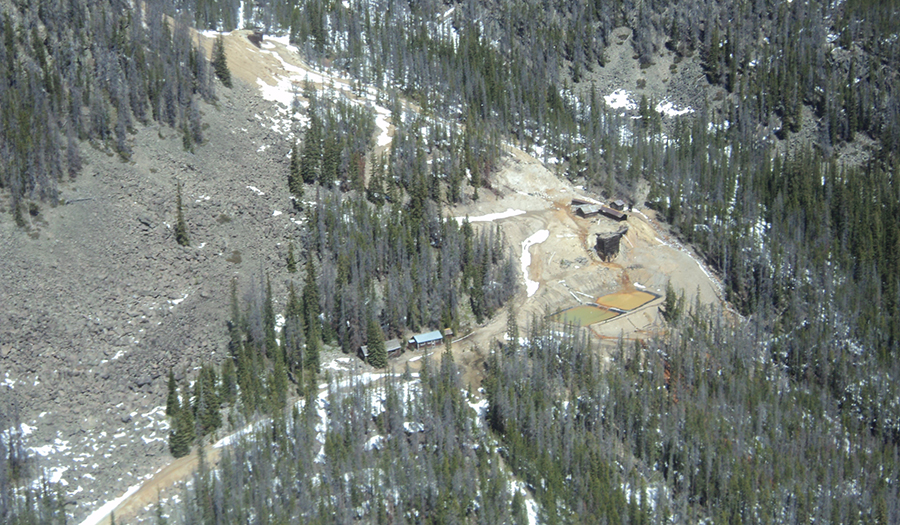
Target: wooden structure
x,y
608,243
427,339
256,37
615,215
587,210
392,347
618,204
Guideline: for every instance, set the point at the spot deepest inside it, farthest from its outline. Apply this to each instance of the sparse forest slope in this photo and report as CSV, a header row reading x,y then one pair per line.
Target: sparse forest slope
x,y
764,133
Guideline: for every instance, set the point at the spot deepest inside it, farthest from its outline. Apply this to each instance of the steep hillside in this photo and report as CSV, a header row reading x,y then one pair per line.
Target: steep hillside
x,y
100,301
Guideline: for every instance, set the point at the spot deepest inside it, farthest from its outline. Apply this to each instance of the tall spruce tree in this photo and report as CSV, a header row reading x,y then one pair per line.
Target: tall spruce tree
x,y
291,259
181,234
375,341
181,437
310,299
172,405
220,63
295,176
271,345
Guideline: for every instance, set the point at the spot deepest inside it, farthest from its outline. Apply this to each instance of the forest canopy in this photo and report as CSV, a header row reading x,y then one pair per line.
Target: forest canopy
x,y
784,179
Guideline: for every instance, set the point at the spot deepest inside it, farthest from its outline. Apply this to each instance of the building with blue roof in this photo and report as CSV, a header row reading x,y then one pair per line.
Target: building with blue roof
x,y
432,338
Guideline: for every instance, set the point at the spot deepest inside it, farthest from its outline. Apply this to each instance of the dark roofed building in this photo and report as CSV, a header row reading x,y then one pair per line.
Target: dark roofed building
x,y
392,347
587,210
613,214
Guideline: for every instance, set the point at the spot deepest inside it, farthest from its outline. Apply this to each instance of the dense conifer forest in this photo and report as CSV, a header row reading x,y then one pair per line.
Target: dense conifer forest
x,y
89,71
782,410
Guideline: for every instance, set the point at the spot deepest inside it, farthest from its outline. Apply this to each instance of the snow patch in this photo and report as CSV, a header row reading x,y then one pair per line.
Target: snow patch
x,y
670,110
98,515
381,120
620,99
256,190
531,506
57,446
374,442
176,302
480,407
412,427
231,438
538,237
55,475
490,217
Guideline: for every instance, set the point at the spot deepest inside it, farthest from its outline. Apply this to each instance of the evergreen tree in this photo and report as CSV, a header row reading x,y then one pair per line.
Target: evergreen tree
x,y
278,385
291,260
271,346
512,329
295,175
311,158
181,436
206,401
228,385
160,519
375,341
220,63
311,312
187,140
310,299
311,357
172,405
671,303
181,234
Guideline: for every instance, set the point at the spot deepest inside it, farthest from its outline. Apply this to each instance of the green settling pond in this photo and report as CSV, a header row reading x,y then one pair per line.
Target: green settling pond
x,y
583,315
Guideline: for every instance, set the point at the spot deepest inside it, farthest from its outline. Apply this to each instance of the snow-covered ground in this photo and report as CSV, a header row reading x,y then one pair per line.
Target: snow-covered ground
x,y
671,110
620,99
288,86
536,238
491,217
103,512
71,462
531,506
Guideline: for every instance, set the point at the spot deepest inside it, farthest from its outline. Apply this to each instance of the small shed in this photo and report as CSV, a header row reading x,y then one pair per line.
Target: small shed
x,y
256,37
613,214
618,204
392,347
427,339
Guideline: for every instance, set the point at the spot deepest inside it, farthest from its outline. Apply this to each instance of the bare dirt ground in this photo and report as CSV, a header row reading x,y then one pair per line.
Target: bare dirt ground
x,y
566,267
